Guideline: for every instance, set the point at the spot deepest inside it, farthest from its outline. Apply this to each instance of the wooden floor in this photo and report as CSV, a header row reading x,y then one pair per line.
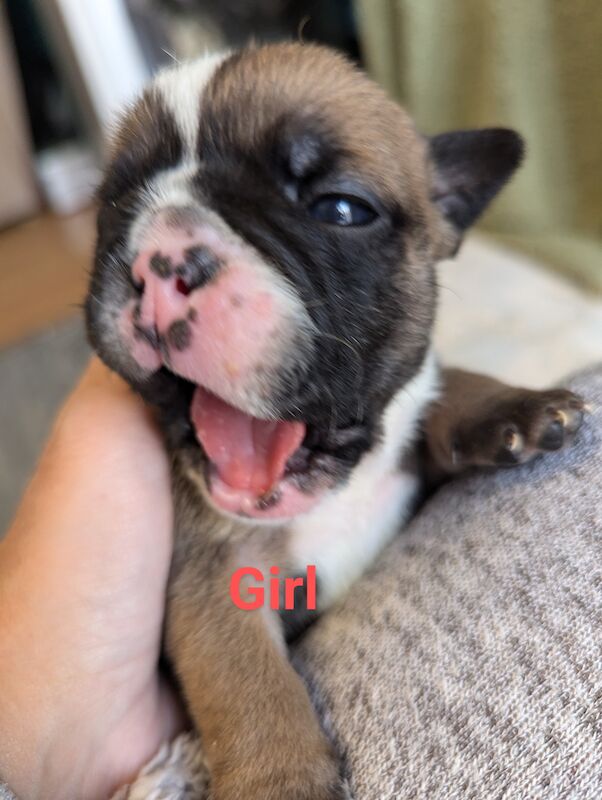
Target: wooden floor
x,y
44,267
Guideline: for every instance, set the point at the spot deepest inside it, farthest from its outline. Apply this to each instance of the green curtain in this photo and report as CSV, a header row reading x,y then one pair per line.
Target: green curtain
x,y
535,65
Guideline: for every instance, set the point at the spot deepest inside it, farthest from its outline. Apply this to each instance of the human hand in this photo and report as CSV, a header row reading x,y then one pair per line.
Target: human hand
x,y
83,572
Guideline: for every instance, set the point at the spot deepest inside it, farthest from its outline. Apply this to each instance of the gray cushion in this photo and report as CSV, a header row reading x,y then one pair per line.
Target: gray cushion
x,y
468,663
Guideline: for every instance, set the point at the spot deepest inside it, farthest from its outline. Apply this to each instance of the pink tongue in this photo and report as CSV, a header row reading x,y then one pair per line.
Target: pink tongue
x,y
248,453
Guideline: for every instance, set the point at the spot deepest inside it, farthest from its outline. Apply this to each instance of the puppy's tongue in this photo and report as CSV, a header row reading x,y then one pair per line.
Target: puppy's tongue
x,y
249,454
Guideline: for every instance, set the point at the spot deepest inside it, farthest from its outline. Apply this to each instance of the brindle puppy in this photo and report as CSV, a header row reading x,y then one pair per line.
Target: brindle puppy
x,y
264,277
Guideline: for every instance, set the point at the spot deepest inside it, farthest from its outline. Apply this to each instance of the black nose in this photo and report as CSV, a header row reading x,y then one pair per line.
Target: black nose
x,y
200,266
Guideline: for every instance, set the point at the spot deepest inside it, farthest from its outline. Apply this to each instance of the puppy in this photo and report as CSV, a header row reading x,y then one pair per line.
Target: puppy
x,y
264,277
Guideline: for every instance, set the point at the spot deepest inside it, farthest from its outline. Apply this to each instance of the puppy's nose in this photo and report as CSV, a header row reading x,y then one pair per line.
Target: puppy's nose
x,y
208,308
166,274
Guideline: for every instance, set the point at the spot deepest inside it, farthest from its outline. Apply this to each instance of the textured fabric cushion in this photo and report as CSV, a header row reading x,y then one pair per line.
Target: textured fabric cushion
x,y
468,663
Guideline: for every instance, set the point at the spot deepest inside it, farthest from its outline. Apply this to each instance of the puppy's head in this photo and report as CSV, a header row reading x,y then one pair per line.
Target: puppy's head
x,y
267,232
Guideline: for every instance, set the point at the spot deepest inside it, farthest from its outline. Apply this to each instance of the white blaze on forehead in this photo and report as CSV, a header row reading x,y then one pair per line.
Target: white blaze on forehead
x,y
181,89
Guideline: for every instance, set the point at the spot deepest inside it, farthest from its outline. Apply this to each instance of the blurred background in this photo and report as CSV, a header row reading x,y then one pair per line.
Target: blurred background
x,y
524,299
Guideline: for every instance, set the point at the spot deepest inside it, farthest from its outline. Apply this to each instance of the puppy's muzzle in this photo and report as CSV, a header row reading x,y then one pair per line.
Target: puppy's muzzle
x,y
210,309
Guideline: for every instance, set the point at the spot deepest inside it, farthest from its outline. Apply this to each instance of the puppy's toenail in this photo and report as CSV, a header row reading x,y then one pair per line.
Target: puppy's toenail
x,y
514,441
512,438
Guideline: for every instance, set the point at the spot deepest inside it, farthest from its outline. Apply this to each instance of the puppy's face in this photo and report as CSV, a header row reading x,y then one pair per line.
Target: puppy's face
x,y
267,232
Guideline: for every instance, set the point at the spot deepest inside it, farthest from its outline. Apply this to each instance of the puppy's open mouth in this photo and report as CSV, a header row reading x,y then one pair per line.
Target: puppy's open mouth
x,y
251,461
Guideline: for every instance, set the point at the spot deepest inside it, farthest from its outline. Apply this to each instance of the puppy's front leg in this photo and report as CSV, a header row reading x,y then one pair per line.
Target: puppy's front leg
x,y
480,421
260,733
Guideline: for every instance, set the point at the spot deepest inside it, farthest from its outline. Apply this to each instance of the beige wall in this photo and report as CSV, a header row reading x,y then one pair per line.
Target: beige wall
x,y
535,65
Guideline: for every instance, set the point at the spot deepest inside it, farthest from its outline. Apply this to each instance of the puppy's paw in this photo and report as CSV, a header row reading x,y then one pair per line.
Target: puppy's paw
x,y
517,426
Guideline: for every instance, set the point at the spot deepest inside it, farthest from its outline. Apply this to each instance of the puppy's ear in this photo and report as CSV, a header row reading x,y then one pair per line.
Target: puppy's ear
x,y
470,167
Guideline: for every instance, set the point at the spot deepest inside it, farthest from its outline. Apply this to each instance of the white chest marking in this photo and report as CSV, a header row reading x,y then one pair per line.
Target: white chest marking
x,y
344,533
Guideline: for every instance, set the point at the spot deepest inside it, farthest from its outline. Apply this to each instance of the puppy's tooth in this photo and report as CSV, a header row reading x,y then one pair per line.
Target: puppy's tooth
x,y
562,416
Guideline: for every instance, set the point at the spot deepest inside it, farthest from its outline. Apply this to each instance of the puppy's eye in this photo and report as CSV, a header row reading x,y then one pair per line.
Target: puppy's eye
x,y
337,209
